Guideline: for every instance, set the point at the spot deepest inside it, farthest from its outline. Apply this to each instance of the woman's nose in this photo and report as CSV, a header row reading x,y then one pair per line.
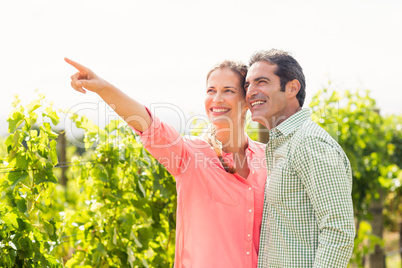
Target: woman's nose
x,y
218,97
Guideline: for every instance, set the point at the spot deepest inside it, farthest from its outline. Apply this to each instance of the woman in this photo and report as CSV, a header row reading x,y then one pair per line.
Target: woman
x,y
219,180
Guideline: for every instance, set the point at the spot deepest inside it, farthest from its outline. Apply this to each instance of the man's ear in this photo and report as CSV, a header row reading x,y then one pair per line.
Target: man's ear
x,y
292,88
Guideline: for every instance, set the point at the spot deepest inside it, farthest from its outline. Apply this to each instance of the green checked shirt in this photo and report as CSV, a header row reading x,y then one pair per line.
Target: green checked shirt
x,y
308,212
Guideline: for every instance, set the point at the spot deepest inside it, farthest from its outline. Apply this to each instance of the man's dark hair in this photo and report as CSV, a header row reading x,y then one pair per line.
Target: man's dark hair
x,y
287,69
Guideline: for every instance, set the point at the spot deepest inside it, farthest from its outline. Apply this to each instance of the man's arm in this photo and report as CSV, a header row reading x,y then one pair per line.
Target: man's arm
x,y
325,172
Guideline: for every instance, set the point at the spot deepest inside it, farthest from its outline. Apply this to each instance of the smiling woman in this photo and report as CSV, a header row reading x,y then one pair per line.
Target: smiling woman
x,y
225,98
219,180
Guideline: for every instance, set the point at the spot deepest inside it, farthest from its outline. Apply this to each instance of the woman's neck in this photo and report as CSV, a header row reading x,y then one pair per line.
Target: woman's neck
x,y
235,141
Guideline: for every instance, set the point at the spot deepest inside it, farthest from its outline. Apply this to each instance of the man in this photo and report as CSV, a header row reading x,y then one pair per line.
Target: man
x,y
308,212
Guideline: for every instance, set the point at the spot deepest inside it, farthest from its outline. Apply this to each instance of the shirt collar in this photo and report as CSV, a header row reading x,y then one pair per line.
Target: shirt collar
x,y
292,123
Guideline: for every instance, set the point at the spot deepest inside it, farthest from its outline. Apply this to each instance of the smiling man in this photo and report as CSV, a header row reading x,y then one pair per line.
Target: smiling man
x,y
308,212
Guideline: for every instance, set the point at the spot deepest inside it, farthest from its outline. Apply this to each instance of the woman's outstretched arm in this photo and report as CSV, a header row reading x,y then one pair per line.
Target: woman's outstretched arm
x,y
133,112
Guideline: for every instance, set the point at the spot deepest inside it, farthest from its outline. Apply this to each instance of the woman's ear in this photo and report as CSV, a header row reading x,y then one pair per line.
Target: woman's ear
x,y
292,88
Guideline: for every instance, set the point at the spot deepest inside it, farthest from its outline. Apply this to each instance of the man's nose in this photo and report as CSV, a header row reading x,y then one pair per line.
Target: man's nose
x,y
250,91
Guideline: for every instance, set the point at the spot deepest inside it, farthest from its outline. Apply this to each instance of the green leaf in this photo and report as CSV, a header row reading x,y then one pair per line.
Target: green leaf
x,y
100,172
22,161
101,248
48,129
33,117
22,205
10,219
16,139
113,125
16,177
33,106
77,258
25,247
157,183
53,152
48,228
16,119
16,101
52,115
33,133
45,176
140,189
9,141
23,226
51,177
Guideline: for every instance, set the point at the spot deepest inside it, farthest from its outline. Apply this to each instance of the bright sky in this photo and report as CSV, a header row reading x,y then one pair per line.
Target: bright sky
x,y
160,51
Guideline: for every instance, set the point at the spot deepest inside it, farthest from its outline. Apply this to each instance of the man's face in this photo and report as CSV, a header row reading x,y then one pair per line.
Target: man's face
x,y
265,99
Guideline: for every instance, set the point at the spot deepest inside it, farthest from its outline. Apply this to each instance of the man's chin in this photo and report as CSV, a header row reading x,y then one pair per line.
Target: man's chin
x,y
259,119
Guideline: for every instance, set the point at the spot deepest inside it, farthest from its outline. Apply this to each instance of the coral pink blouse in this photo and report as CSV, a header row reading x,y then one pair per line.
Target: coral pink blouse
x,y
218,214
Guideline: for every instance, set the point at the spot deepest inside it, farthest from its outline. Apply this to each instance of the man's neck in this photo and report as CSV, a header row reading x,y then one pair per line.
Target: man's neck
x,y
274,122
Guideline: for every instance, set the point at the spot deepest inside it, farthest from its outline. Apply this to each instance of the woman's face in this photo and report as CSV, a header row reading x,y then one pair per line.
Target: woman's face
x,y
225,102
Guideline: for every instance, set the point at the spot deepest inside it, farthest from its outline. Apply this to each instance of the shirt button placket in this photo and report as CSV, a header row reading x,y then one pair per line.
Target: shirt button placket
x,y
250,223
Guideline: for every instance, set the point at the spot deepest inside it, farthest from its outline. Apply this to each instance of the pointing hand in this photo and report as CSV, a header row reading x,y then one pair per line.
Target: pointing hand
x,y
85,78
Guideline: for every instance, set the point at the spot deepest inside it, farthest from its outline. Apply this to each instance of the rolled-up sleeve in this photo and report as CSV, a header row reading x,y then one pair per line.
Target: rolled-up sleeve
x,y
164,143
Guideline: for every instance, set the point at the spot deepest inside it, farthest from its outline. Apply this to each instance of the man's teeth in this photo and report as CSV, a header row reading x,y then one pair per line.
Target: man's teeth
x,y
256,103
219,110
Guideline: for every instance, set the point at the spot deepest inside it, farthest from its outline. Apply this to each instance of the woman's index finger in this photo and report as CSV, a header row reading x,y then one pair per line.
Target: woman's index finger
x,y
76,65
